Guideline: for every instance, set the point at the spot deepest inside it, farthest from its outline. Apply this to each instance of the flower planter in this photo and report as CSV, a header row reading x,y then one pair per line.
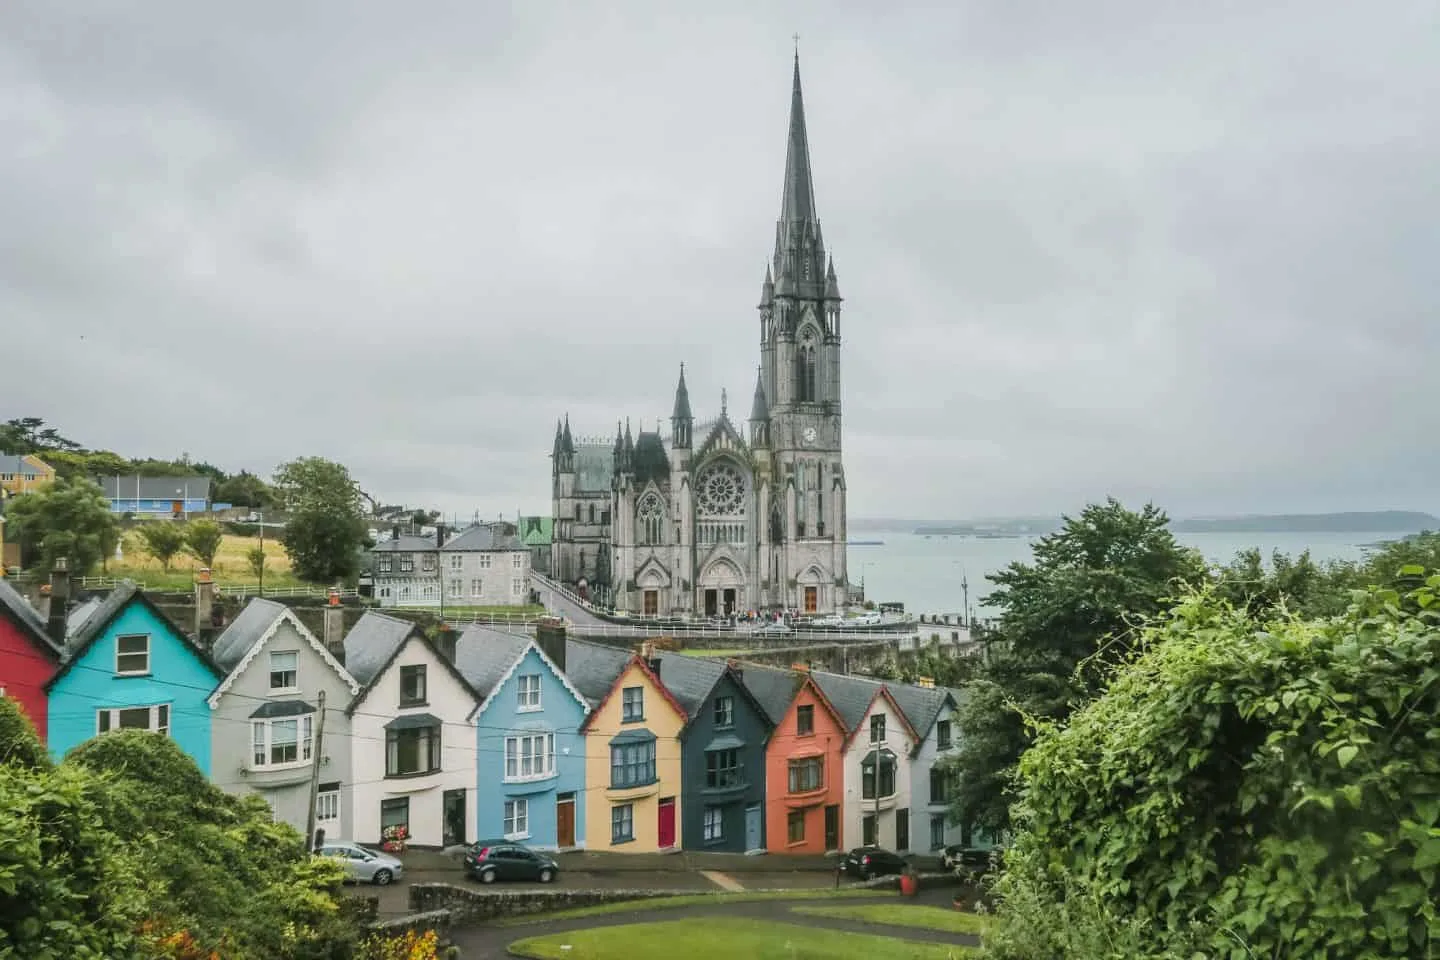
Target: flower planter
x,y
909,885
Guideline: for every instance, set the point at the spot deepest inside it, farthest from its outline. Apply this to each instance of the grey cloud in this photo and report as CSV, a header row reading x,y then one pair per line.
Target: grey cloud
x,y
1157,250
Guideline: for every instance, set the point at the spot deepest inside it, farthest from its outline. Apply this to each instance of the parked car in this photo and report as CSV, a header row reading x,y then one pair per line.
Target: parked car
x,y
973,860
491,860
867,862
365,866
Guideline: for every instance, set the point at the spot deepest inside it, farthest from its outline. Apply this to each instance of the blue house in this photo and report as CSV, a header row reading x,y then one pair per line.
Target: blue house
x,y
530,764
156,497
127,667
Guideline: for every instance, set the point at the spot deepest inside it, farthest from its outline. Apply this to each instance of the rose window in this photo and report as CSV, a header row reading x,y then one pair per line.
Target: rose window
x,y
721,492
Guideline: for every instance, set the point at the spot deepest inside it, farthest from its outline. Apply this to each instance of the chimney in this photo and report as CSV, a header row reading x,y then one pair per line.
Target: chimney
x,y
445,641
205,598
736,669
59,601
395,534
332,627
439,535
550,636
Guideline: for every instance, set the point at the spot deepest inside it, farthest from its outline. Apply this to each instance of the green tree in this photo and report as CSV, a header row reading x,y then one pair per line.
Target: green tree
x,y
163,539
30,435
245,489
1245,788
255,557
203,539
1066,618
88,464
324,529
67,518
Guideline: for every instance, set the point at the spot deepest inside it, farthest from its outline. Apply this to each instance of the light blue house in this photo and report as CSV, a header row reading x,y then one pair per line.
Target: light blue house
x,y
530,771
126,666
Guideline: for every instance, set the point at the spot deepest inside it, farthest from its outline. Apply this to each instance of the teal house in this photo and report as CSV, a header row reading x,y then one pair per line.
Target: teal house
x,y
127,667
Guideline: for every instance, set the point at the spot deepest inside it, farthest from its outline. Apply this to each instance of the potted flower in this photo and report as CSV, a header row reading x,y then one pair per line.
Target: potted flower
x,y
393,839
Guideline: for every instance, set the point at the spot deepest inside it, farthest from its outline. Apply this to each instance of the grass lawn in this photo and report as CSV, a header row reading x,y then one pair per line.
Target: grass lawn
x,y
231,566
529,610
725,938
900,915
699,652
695,900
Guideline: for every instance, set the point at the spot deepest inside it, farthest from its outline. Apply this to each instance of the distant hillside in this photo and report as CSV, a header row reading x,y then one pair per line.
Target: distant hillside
x,y
1380,521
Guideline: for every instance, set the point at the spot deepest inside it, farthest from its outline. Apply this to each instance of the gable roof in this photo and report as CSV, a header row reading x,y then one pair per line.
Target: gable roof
x,y
95,625
377,637
593,667
921,705
482,536
774,690
242,641
854,698
405,543
487,658
79,614
688,680
28,466
27,620
639,662
372,643
537,531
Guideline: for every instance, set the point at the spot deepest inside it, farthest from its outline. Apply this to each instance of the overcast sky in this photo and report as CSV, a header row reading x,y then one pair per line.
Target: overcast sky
x,y
1179,251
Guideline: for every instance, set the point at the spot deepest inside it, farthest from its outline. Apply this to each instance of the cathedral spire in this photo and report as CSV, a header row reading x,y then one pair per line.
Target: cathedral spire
x,y
798,202
760,409
567,442
682,399
799,259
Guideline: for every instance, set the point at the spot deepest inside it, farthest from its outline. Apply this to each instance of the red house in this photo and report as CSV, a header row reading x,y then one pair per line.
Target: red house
x,y
28,658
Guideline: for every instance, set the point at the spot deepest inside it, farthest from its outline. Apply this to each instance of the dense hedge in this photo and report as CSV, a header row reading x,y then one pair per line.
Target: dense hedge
x,y
1242,791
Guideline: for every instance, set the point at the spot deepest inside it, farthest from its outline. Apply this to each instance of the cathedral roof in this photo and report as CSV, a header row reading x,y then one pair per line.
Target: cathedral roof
x,y
594,465
650,461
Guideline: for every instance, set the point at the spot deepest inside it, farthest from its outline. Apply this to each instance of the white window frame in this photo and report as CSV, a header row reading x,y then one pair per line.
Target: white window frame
x,y
517,818
517,561
622,815
295,671
517,586
527,693
160,719
327,812
457,587
119,655
714,824
263,744
477,587
457,561
484,561
878,720
428,592
532,752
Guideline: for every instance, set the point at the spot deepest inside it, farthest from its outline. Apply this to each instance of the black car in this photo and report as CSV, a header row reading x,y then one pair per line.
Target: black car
x,y
971,861
491,860
867,862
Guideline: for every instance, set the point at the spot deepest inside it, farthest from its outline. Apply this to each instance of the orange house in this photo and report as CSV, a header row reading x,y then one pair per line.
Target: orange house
x,y
804,776
24,474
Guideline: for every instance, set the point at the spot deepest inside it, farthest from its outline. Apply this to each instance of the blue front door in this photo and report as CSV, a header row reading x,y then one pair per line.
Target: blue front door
x,y
752,828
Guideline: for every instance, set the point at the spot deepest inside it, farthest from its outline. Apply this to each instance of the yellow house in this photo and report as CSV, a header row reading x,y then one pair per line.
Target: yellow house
x,y
23,474
632,765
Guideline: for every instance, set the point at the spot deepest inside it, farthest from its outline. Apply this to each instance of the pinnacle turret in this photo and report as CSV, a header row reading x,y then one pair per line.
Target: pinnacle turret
x,y
832,286
760,408
682,399
567,442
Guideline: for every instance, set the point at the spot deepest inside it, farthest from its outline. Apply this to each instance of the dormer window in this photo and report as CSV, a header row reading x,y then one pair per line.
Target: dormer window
x,y
877,728
284,669
724,712
412,685
942,735
632,704
528,692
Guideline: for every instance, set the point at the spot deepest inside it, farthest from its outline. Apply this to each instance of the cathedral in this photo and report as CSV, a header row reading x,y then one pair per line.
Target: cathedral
x,y
726,516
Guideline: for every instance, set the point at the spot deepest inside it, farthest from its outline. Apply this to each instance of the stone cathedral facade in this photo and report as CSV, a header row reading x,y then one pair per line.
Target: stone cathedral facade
x,y
723,515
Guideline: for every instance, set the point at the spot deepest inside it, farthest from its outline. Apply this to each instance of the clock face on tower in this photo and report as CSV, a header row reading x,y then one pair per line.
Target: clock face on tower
x,y
809,434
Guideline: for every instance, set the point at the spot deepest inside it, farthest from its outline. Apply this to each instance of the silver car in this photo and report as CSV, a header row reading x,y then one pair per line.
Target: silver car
x,y
365,866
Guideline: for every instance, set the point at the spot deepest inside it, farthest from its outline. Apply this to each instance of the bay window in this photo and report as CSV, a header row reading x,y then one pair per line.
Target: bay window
x,y
281,741
529,756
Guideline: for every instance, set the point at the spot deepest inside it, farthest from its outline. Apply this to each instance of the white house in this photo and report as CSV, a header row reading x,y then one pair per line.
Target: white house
x,y
412,736
265,731
877,809
932,713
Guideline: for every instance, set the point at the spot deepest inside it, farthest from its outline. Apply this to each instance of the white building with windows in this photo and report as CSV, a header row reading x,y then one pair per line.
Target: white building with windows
x,y
265,716
486,565
412,737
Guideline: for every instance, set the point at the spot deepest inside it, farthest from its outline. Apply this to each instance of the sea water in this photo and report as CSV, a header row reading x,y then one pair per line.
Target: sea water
x,y
926,573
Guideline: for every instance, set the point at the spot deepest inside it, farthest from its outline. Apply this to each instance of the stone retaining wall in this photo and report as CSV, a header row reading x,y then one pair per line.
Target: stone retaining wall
x,y
474,906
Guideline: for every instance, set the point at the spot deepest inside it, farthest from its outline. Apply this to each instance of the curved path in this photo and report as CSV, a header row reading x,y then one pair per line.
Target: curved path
x,y
491,943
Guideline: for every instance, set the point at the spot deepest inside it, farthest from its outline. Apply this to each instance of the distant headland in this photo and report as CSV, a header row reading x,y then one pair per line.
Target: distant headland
x,y
1373,521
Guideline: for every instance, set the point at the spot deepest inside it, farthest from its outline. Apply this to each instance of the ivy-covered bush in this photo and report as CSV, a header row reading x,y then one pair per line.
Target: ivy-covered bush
x,y
1242,790
125,850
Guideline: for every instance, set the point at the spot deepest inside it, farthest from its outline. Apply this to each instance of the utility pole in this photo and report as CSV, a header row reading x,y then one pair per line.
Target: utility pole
x,y
877,793
261,515
315,754
965,587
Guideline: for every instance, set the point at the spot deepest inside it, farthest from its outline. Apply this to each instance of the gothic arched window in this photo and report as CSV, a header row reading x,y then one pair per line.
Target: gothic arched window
x,y
651,514
805,372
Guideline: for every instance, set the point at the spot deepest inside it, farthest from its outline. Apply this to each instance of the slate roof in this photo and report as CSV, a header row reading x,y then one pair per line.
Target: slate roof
x,y
851,696
482,537
406,543
372,643
592,667
483,655
95,624
155,488
773,689
594,466
79,613
26,617
921,705
689,679
247,627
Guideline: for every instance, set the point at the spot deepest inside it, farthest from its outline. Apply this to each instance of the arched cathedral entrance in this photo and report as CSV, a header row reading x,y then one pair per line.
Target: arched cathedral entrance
x,y
722,589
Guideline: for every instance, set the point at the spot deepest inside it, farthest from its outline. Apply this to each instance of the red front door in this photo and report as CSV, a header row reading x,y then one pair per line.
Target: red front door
x,y
667,822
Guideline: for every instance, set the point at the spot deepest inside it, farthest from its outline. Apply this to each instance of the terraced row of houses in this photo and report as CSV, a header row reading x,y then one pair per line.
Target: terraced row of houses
x,y
547,740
